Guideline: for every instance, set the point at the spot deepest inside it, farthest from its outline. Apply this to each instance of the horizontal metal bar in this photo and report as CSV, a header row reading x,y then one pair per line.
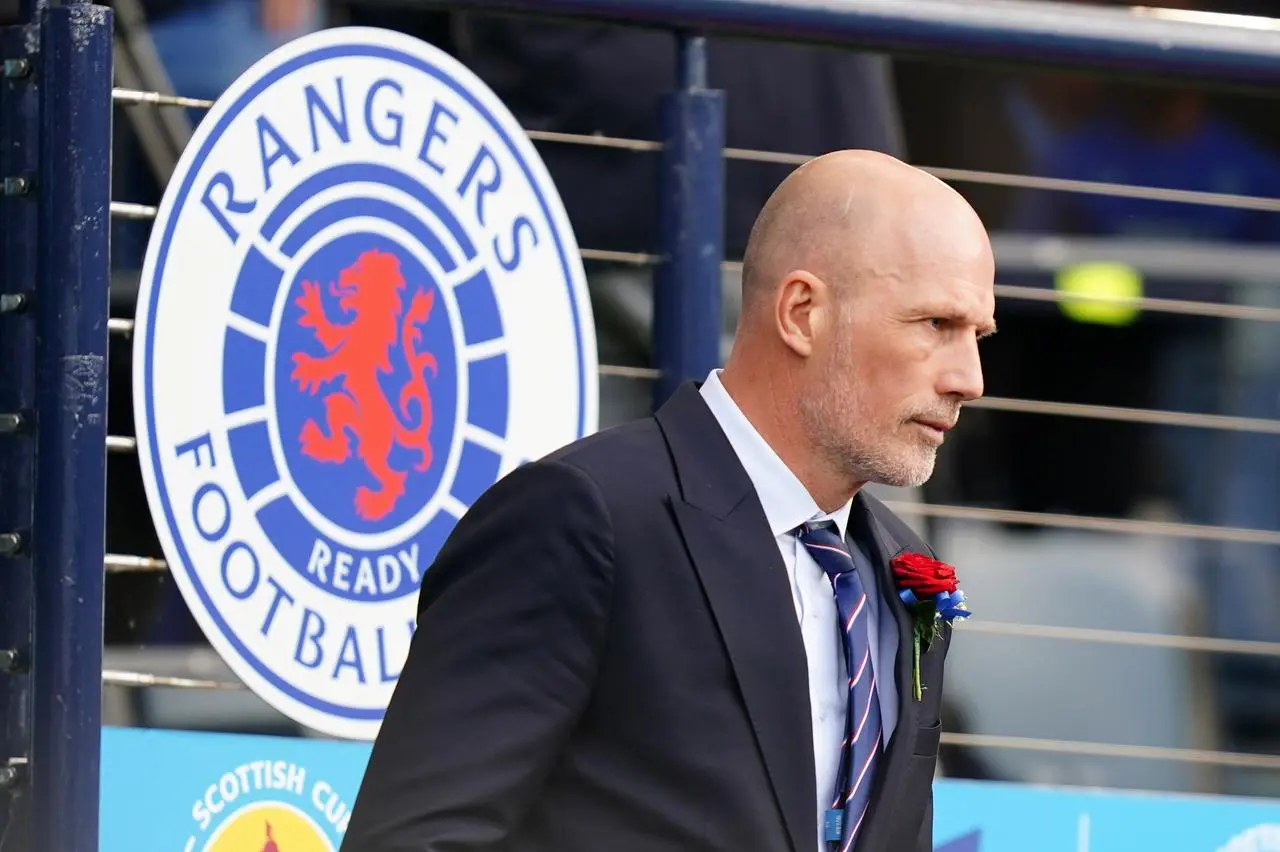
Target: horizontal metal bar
x,y
1076,747
1114,190
1008,31
1184,642
111,677
629,372
1122,526
1095,749
1006,291
1166,266
117,563
121,444
1005,179
1208,19
628,258
1165,259
594,140
1049,184
135,97
124,444
1155,417
757,156
129,210
1158,306
1177,642
1129,415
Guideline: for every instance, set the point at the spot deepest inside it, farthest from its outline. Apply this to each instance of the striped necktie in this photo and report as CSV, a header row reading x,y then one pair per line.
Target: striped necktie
x,y
861,748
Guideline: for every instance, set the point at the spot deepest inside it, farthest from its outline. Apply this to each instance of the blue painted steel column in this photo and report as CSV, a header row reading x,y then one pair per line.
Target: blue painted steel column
x,y
68,535
686,294
19,260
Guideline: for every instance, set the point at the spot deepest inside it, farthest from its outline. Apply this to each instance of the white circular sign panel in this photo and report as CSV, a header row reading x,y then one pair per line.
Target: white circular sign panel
x,y
362,304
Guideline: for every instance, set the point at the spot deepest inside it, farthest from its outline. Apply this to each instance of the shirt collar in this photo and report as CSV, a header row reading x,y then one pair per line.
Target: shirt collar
x,y
787,503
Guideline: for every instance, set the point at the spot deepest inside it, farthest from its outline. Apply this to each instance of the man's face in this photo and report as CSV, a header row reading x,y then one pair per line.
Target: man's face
x,y
900,358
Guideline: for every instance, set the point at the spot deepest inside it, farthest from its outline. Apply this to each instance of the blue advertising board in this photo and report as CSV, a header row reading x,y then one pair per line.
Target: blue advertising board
x,y
977,816
172,791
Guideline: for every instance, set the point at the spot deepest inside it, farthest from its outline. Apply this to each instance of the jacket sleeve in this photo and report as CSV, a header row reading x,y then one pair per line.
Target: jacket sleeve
x,y
512,618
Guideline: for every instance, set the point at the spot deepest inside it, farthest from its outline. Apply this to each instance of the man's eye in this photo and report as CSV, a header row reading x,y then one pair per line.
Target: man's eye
x,y
937,322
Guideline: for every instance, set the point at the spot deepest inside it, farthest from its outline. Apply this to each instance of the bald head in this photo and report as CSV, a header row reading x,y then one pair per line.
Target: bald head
x,y
849,215
866,287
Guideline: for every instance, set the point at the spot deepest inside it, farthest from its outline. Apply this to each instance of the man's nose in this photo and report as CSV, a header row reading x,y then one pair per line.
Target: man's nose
x,y
962,375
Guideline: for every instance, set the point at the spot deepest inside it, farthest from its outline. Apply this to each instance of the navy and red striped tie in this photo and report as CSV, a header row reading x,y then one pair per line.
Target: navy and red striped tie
x,y
860,751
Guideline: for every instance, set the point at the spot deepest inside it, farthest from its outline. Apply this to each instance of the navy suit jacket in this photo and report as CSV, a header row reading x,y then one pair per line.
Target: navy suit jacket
x,y
608,658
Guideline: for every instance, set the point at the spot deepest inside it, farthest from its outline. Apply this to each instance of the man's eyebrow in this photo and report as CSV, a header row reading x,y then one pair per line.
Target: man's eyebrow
x,y
984,329
953,314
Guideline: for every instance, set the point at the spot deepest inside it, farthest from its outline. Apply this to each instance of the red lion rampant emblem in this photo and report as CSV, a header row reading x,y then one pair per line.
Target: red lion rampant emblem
x,y
369,290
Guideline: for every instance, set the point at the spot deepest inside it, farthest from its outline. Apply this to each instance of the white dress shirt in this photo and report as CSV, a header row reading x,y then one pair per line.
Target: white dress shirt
x,y
788,504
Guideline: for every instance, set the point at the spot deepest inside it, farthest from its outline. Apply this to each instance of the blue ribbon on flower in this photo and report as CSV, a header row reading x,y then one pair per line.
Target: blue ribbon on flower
x,y
949,605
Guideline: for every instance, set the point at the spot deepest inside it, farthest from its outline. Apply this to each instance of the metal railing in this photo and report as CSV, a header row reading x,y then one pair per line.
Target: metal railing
x,y
54,324
1188,262
1203,49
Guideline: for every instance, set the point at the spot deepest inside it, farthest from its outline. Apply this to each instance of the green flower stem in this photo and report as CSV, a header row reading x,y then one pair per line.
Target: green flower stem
x,y
915,662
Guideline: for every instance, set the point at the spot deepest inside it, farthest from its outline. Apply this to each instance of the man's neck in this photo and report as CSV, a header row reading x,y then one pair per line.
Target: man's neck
x,y
774,413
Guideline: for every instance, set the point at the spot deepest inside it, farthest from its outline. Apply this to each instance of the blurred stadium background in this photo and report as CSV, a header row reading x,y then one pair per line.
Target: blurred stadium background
x,y
1059,434
1114,501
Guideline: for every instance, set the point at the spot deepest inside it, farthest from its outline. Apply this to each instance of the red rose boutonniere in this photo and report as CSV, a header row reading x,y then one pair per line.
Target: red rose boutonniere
x,y
931,591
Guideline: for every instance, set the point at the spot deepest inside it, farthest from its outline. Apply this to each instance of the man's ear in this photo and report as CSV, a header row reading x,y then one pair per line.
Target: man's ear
x,y
804,308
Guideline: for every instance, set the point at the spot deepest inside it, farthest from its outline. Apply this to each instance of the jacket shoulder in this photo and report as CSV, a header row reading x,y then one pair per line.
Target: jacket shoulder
x,y
619,453
898,529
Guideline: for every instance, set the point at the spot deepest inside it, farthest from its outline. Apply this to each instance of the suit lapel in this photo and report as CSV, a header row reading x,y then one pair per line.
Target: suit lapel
x,y
898,758
746,586
738,564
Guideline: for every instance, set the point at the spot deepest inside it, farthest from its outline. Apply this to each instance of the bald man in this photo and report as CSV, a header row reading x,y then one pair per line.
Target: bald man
x,y
633,644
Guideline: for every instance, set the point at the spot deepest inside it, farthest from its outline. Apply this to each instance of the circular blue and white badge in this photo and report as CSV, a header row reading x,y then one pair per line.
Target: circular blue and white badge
x,y
362,304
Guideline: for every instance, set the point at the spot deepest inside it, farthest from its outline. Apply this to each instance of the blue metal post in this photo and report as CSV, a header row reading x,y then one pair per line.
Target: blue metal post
x,y
686,295
19,259
68,533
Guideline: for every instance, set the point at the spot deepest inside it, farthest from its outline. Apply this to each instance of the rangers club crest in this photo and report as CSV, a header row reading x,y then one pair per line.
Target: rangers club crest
x,y
362,304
